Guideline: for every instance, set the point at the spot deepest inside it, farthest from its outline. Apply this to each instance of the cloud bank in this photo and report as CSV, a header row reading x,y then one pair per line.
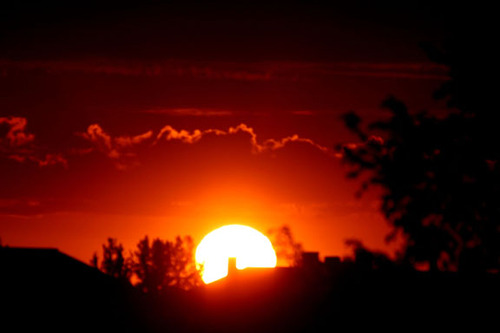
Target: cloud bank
x,y
17,144
122,149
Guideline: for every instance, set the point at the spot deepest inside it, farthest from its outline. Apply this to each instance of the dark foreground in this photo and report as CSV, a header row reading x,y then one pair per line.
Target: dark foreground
x,y
45,290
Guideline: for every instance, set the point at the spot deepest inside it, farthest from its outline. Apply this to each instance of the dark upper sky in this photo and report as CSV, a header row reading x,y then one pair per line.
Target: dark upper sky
x,y
223,31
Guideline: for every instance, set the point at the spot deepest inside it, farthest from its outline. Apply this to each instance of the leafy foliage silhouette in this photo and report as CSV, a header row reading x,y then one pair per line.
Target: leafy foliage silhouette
x,y
164,264
367,259
114,262
155,266
288,250
439,175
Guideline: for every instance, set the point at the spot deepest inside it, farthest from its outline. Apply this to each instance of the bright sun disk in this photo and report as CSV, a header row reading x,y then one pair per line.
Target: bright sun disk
x,y
250,248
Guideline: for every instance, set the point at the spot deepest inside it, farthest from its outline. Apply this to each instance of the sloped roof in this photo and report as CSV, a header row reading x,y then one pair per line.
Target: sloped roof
x,y
44,288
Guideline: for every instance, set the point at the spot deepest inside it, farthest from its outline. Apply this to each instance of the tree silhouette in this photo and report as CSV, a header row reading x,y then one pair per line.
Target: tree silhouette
x,y
366,259
113,262
164,264
142,266
94,262
439,175
288,251
183,273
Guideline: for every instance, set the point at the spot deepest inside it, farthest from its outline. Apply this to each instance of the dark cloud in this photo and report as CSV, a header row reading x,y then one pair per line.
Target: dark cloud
x,y
15,134
239,71
191,112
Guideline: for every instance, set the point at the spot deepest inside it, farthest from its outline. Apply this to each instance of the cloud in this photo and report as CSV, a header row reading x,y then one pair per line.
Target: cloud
x,y
122,149
128,141
373,141
113,147
303,113
20,208
119,149
51,159
201,70
15,135
18,145
46,160
403,70
278,144
237,71
168,133
193,112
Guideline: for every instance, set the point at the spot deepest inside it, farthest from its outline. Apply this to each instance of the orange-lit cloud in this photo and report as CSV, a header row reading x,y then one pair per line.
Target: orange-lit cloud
x,y
121,149
169,133
372,140
348,150
117,148
18,145
16,134
277,144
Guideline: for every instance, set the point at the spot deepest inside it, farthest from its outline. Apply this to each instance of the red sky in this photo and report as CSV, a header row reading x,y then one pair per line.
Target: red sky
x,y
174,120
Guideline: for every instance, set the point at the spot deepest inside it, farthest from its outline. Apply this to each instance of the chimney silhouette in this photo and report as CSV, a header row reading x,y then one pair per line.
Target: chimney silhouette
x,y
231,266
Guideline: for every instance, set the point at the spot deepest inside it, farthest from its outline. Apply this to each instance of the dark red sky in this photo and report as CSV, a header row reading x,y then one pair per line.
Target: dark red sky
x,y
175,119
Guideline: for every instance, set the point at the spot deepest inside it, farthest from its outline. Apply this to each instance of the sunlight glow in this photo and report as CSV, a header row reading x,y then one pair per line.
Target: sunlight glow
x,y
250,248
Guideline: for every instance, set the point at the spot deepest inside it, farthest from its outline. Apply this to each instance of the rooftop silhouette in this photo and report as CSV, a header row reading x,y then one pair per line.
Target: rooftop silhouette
x,y
44,288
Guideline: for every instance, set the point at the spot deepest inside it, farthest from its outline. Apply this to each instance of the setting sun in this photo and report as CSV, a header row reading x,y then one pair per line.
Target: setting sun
x,y
250,248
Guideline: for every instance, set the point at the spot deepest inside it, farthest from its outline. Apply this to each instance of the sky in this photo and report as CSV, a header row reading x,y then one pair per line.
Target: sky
x,y
164,119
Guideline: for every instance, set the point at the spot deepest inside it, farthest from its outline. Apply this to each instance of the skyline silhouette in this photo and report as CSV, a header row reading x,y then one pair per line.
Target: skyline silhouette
x,y
58,292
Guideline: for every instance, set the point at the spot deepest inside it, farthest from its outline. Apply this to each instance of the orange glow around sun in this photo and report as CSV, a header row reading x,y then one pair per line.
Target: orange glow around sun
x,y
250,248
